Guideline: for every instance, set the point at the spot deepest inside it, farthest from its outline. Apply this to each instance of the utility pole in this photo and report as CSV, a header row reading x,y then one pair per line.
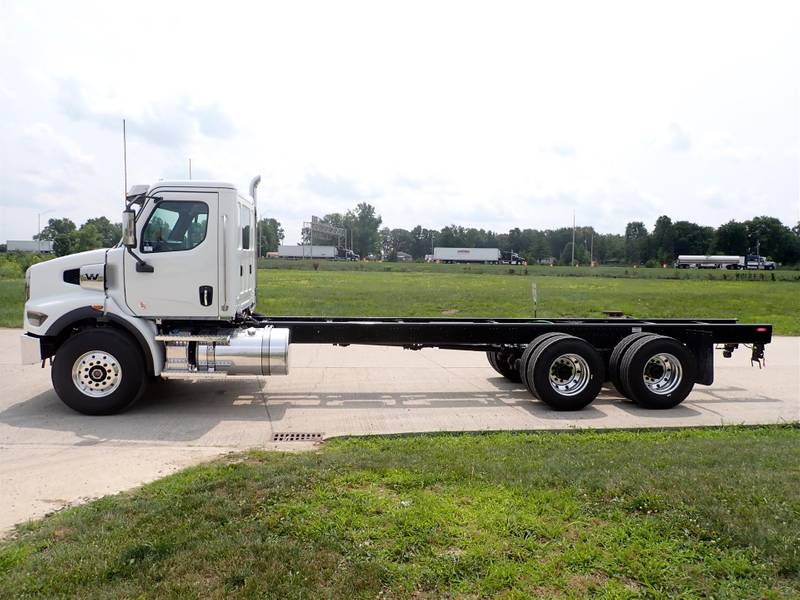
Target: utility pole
x,y
573,238
190,169
591,251
39,227
124,166
758,253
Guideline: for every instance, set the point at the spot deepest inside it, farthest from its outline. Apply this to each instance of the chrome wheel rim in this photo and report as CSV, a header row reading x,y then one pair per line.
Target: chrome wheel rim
x,y
662,374
569,374
96,373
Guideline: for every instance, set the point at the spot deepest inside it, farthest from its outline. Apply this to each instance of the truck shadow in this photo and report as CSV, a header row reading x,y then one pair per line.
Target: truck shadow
x,y
246,411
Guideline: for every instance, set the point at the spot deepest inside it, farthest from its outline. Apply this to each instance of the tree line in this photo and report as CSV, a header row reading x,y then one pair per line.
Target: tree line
x,y
637,246
67,238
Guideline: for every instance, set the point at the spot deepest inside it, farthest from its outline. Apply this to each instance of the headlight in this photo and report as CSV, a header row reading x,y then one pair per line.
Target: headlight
x,y
36,318
27,284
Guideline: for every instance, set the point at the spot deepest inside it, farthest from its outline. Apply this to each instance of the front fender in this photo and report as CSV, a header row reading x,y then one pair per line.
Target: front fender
x,y
143,330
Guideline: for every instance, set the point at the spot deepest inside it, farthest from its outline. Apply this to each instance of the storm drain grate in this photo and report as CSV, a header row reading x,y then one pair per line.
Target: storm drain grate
x,y
293,436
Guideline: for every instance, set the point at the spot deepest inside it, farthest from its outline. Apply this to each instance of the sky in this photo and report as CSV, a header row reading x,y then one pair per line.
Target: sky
x,y
485,114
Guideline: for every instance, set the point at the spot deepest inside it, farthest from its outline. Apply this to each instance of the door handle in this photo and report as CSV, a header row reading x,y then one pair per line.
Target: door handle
x,y
206,295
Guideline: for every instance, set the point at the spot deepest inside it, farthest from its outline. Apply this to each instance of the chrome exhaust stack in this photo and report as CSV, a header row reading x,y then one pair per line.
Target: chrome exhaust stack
x,y
252,351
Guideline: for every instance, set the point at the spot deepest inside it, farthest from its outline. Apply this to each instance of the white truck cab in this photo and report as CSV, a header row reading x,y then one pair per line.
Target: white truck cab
x,y
196,253
188,257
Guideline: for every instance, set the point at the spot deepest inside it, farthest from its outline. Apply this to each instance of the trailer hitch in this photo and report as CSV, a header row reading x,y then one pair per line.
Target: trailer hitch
x,y
757,356
727,350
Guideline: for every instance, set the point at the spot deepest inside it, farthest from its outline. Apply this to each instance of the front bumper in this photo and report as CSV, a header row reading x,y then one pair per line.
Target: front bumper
x,y
31,349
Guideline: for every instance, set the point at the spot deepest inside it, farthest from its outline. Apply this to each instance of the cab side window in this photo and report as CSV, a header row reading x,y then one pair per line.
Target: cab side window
x,y
244,222
174,226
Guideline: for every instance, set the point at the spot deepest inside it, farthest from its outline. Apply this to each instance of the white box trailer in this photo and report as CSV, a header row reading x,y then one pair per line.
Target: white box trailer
x,y
42,246
307,251
466,255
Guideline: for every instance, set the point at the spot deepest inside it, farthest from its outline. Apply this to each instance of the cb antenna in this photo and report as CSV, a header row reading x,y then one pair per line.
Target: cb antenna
x,y
124,164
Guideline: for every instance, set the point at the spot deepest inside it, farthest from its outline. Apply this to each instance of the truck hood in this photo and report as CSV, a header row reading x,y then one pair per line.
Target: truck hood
x,y
71,261
47,278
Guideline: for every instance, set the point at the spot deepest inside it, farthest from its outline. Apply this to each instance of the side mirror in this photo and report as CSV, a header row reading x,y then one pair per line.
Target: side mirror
x,y
129,228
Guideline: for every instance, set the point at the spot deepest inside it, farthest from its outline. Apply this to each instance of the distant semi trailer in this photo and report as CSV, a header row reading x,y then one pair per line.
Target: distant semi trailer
x,y
474,255
323,252
41,246
307,251
696,261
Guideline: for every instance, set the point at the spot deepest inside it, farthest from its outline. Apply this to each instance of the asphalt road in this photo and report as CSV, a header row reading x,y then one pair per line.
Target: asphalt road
x,y
51,457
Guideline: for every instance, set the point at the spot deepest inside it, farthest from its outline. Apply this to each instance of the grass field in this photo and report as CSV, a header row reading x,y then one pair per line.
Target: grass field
x,y
538,270
681,514
335,293
12,299
450,290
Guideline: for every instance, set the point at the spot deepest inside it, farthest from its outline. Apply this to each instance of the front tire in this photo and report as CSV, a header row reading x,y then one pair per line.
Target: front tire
x,y
99,371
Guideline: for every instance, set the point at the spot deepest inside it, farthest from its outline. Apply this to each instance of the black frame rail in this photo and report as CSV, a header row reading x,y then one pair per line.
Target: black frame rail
x,y
486,333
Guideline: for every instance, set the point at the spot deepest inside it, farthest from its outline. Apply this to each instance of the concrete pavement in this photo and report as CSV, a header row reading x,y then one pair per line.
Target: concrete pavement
x,y
51,456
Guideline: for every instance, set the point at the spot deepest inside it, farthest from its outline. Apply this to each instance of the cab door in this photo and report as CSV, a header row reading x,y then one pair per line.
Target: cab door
x,y
177,239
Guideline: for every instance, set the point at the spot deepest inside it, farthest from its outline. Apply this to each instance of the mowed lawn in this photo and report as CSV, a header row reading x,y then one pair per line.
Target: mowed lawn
x,y
656,514
349,293
498,294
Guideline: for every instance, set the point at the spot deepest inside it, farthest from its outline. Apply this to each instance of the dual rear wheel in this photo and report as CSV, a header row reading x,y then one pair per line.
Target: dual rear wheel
x,y
567,372
654,371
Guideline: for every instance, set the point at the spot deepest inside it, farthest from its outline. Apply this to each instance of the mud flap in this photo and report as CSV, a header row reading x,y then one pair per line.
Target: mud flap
x,y
702,346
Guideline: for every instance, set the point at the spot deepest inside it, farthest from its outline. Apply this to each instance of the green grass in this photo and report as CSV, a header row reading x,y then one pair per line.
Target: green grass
x,y
487,290
370,293
12,299
657,514
789,274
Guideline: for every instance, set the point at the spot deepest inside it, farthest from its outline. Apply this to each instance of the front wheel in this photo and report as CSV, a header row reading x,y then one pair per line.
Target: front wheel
x,y
99,371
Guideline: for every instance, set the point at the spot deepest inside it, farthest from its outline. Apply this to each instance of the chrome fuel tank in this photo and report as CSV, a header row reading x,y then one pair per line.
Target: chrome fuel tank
x,y
252,351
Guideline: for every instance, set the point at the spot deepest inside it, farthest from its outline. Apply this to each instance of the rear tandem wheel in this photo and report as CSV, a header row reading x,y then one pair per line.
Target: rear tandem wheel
x,y
614,363
565,372
657,372
505,362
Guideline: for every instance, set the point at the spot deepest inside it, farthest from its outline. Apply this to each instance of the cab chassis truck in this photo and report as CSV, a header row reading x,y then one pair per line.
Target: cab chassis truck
x,y
177,297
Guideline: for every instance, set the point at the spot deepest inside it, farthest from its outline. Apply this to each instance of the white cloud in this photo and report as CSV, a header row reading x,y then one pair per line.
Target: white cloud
x,y
496,115
723,146
336,187
167,123
678,140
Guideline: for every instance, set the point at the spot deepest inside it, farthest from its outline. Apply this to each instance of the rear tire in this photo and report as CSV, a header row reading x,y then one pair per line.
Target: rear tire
x,y
566,373
615,362
505,363
658,372
99,371
529,350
